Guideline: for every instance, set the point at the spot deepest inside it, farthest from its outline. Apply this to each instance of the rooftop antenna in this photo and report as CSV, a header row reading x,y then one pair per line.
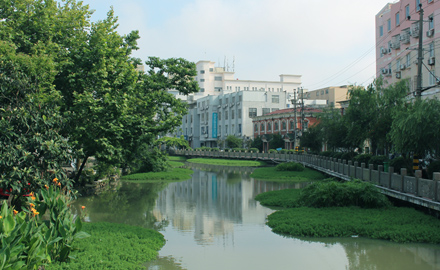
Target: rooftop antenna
x,y
233,63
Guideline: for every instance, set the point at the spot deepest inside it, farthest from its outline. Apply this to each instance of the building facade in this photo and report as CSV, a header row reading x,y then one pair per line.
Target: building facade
x,y
397,41
332,95
283,122
225,105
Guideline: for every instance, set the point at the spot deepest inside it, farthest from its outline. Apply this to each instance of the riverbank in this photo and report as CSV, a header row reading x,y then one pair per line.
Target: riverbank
x,y
357,210
114,246
227,162
272,174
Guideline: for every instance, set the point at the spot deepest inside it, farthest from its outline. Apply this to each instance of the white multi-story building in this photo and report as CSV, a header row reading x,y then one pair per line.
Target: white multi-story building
x,y
225,106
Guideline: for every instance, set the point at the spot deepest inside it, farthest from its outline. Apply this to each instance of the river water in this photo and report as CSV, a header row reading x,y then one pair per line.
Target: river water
x,y
212,222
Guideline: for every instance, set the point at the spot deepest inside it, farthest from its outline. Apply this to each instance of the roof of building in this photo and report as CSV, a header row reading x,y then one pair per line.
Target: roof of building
x,y
288,110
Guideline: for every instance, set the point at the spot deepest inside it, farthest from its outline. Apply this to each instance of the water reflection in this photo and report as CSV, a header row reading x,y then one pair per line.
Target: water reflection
x,y
213,222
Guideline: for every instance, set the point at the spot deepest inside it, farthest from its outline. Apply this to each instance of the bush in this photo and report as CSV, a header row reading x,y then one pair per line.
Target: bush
x,y
378,160
335,194
254,150
326,154
273,151
337,155
433,167
291,151
203,148
290,166
284,151
399,163
348,156
363,158
215,149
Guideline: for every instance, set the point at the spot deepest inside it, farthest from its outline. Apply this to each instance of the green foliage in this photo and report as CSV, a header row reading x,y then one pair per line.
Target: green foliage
x,y
257,143
203,148
349,156
337,155
233,142
174,174
401,225
286,198
114,246
399,163
326,154
284,151
336,194
149,159
363,158
30,240
433,167
410,132
254,150
273,151
334,129
226,162
172,142
215,149
378,160
271,174
290,166
312,138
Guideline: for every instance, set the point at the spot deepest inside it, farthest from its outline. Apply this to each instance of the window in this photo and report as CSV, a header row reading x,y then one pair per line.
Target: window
x,y
203,117
262,127
240,98
233,114
211,69
217,78
431,50
269,126
398,64
430,1
407,11
408,59
322,92
227,101
202,89
226,130
397,18
275,99
202,71
202,80
274,109
219,115
220,101
417,5
252,112
432,79
219,130
431,22
203,130
191,118
326,91
239,128
226,115
292,124
233,99
255,128
381,30
239,113
317,93
283,125
389,25
217,89
276,126
266,111
233,129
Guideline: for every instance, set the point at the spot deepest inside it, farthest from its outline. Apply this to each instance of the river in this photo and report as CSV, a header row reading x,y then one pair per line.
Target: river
x,y
213,222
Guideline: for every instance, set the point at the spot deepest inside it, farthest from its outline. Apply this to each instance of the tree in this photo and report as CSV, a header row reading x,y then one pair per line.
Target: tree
x,y
415,128
257,143
233,142
173,142
334,129
312,138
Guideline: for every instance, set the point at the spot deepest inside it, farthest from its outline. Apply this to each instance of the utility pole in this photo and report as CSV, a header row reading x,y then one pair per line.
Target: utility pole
x,y
418,93
294,111
302,111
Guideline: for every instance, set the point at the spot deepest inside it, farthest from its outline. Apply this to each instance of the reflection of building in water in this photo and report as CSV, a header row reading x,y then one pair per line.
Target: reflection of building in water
x,y
212,202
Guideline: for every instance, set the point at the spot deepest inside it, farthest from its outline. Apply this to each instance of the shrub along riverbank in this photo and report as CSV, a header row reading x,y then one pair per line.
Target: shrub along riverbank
x,y
292,172
333,209
227,162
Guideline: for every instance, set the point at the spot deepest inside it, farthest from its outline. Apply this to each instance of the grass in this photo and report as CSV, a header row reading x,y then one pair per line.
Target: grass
x,y
286,198
227,162
175,164
174,174
114,246
271,173
177,158
402,225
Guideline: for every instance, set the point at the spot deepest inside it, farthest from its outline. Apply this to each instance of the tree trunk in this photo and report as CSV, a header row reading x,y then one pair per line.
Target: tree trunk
x,y
83,164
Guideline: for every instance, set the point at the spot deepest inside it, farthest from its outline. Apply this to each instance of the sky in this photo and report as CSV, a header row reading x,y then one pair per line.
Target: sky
x,y
329,43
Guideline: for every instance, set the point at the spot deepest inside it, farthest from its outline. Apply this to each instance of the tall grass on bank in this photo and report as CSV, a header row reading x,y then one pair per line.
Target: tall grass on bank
x,y
395,224
286,198
175,174
114,246
272,174
226,162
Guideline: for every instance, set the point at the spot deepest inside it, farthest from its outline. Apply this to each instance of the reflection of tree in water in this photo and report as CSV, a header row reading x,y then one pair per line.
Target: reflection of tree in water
x,y
132,204
369,254
168,263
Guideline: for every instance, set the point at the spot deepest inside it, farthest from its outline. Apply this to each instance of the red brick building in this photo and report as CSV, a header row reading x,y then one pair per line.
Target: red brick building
x,y
283,122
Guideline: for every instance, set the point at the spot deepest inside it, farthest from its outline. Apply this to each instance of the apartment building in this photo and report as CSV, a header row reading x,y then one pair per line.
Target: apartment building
x,y
332,95
226,105
397,41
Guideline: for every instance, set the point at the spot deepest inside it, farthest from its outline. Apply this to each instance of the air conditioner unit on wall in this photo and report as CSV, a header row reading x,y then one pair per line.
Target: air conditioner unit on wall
x,y
431,61
430,33
384,51
384,71
403,66
398,75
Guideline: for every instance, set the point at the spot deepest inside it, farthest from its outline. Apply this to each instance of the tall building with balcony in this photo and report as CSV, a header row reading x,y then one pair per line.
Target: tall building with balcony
x,y
225,105
397,41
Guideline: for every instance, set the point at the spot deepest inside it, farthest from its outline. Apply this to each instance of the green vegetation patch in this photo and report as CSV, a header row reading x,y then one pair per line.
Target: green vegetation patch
x,y
272,174
175,174
227,162
175,164
394,224
114,246
286,198
290,166
177,158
